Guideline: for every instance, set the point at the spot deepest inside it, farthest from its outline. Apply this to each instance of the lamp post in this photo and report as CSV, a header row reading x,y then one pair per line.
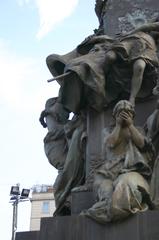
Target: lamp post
x,y
16,197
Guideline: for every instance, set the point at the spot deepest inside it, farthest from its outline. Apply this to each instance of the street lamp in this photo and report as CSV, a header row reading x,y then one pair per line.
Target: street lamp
x,y
16,197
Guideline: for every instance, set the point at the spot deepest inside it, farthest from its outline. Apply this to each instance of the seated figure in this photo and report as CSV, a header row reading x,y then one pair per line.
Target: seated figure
x,y
106,69
122,182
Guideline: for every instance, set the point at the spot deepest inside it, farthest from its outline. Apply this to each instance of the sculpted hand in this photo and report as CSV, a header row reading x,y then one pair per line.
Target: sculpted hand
x,y
119,120
125,118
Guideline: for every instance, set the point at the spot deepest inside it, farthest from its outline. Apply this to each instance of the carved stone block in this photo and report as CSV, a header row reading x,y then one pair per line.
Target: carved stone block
x,y
124,15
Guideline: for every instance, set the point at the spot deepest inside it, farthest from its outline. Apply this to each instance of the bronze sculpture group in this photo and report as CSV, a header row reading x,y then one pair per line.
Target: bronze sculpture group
x,y
106,73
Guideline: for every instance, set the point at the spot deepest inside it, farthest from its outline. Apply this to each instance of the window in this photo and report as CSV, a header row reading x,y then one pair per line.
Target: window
x,y
45,207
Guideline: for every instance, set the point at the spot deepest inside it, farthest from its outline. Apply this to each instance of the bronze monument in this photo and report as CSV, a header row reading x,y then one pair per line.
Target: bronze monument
x,y
107,154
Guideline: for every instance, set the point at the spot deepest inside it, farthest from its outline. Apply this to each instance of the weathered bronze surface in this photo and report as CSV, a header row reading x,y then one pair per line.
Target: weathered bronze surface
x,y
116,66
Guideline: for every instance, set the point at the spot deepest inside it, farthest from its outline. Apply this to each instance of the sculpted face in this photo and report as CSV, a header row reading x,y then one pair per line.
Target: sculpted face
x,y
123,106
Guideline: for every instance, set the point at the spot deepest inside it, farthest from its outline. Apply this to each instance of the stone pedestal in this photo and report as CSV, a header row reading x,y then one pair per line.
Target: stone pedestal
x,y
143,226
32,235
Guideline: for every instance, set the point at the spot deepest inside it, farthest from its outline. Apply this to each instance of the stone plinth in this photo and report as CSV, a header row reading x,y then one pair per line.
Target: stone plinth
x,y
143,226
32,235
140,227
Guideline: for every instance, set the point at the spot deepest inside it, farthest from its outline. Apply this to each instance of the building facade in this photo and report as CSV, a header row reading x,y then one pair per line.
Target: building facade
x,y
42,205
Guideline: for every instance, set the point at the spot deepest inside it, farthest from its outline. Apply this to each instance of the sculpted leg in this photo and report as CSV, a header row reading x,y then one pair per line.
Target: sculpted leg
x,y
138,71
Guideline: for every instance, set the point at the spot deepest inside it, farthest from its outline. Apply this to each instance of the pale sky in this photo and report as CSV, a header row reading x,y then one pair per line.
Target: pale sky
x,y
30,30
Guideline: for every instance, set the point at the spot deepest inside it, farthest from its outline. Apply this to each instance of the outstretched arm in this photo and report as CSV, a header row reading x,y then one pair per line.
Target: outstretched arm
x,y
43,114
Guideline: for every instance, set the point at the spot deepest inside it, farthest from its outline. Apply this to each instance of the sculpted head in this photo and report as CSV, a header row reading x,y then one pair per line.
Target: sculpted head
x,y
125,106
56,109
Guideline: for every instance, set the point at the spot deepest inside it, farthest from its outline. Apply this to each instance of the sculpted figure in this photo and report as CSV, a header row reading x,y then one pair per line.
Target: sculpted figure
x,y
54,117
73,173
122,183
64,148
106,70
152,131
